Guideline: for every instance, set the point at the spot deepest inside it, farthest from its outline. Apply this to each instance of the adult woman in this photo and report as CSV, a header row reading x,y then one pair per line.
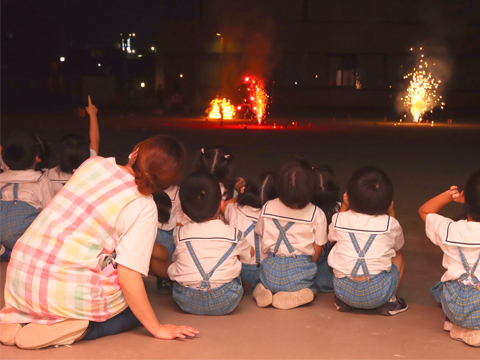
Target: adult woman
x,y
57,281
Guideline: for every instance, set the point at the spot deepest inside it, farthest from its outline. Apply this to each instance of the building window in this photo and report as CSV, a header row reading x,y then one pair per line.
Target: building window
x,y
341,70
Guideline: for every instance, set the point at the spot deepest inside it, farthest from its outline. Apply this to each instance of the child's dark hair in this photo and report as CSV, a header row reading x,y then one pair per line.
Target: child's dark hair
x,y
472,196
74,150
294,183
200,196
218,161
20,151
258,190
43,149
164,205
370,191
326,195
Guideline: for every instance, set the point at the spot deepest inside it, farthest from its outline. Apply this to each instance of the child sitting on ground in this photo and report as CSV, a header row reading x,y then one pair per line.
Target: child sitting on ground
x,y
327,198
243,215
366,260
293,231
24,192
459,289
74,150
206,266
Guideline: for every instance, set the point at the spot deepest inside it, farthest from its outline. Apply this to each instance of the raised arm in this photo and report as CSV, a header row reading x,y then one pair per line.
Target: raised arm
x,y
134,291
435,204
94,132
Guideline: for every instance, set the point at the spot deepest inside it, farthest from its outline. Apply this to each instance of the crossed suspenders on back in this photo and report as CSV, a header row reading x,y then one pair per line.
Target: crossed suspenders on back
x,y
257,241
469,270
361,256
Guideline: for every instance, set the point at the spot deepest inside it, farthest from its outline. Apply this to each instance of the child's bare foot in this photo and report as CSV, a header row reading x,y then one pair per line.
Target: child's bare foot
x,y
262,295
289,300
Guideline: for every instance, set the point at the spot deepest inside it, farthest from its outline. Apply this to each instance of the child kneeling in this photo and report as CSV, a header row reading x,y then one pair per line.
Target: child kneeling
x,y
459,289
293,231
366,260
206,266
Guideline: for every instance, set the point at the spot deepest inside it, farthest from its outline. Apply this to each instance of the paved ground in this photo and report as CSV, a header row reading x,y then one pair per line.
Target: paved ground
x,y
421,160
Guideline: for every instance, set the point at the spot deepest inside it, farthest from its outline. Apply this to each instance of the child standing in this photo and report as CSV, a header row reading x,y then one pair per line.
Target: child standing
x,y
24,192
206,267
293,231
366,260
459,289
74,150
327,198
243,215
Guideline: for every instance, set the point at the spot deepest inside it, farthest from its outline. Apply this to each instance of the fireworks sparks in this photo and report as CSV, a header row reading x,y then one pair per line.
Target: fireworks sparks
x,y
421,96
221,110
258,97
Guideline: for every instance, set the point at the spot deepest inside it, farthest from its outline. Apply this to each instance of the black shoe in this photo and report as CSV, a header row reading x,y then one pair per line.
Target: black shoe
x,y
394,306
164,286
341,306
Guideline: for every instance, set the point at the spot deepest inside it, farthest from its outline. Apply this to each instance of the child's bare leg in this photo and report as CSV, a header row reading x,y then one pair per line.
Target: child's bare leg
x,y
159,252
159,268
398,262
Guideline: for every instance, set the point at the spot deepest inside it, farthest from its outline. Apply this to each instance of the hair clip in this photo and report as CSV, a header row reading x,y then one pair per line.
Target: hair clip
x,y
226,156
203,151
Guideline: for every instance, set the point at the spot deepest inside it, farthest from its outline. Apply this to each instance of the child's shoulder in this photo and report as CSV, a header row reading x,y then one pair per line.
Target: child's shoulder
x,y
21,176
461,233
208,230
353,221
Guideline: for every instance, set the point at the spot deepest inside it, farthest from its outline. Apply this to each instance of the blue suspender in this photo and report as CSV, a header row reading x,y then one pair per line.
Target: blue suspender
x,y
257,241
361,256
206,277
282,236
15,191
469,270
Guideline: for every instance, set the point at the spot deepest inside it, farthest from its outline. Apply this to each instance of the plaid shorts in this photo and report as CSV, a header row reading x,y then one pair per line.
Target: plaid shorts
x,y
460,303
324,278
219,301
250,274
367,295
15,218
287,273
166,239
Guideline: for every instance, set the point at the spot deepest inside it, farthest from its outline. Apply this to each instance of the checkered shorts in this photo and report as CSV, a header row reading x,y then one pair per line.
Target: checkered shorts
x,y
287,273
15,218
367,295
219,301
324,278
166,239
250,274
461,303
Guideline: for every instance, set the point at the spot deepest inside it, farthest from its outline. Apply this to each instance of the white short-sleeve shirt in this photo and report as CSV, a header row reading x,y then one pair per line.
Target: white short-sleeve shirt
x,y
210,240
136,229
310,226
175,211
242,217
449,235
34,187
343,256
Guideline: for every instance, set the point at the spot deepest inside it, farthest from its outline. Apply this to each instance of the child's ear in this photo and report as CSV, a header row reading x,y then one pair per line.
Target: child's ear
x,y
345,198
37,160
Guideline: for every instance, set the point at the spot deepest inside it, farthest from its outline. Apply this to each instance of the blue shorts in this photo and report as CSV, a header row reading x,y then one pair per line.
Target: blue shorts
x,y
166,239
460,303
219,301
250,274
324,278
367,295
287,273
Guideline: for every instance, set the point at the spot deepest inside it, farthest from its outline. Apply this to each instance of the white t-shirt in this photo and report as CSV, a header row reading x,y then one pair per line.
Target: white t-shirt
x,y
34,187
175,211
343,256
310,226
449,235
242,217
210,240
59,178
136,229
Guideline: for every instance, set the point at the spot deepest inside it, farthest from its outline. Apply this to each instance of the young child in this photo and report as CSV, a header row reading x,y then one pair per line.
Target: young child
x,y
366,260
327,198
74,150
24,192
459,289
243,215
206,266
293,231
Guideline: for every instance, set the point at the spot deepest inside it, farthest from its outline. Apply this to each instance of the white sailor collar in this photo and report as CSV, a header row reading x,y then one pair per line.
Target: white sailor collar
x,y
351,221
249,212
212,230
21,176
463,233
276,209
172,192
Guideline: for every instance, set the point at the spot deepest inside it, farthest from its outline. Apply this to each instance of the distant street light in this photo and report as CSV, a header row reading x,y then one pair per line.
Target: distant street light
x,y
99,64
133,51
153,48
142,84
181,75
133,34
218,34
62,59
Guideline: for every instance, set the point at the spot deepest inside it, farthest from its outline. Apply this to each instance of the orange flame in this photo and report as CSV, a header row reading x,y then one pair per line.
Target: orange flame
x,y
258,96
221,109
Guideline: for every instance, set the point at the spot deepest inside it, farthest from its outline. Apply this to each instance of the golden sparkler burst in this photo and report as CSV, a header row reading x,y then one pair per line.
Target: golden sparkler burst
x,y
421,96
221,109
